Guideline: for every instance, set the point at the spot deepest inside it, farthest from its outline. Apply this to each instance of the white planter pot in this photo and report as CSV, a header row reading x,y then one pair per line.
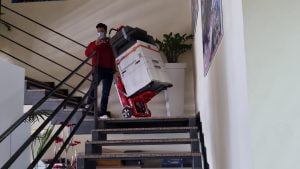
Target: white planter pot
x,y
175,95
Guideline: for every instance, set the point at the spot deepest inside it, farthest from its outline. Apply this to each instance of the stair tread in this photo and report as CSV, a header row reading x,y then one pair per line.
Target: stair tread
x,y
139,155
36,90
69,109
150,118
146,129
149,141
142,119
53,99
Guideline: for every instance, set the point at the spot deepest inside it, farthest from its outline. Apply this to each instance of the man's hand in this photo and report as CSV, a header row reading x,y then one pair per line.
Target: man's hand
x,y
100,41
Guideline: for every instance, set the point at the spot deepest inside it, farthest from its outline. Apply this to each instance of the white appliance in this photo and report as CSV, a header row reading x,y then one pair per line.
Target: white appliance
x,y
141,68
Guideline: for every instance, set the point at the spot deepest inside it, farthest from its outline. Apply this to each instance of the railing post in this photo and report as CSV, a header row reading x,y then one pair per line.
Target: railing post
x,y
96,76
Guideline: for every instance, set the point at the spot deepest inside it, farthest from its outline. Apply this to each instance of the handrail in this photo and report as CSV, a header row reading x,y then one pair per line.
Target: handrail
x,y
9,39
58,154
16,124
73,56
34,108
56,134
39,71
42,25
41,127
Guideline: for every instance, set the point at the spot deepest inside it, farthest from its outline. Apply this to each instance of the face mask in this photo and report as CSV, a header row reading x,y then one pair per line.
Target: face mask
x,y
101,35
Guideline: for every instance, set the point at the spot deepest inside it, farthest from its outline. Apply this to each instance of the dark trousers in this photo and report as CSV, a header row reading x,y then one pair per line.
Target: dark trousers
x,y
106,76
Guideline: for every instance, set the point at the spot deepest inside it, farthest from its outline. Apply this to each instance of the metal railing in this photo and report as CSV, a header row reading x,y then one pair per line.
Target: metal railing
x,y
44,124
15,12
51,92
21,30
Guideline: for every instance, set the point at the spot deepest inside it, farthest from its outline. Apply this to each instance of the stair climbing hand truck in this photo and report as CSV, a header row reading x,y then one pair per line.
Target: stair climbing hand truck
x,y
134,106
141,74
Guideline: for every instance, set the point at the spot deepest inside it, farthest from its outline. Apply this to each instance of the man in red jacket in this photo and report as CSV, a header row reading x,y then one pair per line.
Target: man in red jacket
x,y
104,61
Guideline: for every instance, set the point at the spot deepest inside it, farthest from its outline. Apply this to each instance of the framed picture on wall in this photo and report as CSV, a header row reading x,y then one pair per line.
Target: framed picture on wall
x,y
212,30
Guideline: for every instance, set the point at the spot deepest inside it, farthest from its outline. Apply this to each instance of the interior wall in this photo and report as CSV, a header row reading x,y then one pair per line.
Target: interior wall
x,y
11,103
272,49
222,94
77,19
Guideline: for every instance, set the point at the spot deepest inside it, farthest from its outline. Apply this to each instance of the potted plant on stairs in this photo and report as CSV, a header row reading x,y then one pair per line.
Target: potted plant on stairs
x,y
173,46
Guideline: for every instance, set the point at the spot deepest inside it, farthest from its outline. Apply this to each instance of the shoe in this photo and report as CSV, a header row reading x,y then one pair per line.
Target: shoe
x,y
104,117
108,113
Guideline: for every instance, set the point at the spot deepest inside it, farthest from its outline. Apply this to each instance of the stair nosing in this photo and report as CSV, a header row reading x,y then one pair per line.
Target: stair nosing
x,y
35,90
115,120
148,141
149,118
53,100
67,110
145,129
139,155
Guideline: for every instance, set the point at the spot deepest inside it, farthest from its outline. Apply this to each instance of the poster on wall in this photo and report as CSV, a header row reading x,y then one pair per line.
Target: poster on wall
x,y
212,30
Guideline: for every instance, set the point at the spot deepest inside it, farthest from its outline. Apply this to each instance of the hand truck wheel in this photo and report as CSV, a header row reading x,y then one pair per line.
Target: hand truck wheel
x,y
127,112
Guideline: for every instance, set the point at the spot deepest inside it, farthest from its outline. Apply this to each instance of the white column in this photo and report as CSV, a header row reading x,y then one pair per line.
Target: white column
x,y
11,106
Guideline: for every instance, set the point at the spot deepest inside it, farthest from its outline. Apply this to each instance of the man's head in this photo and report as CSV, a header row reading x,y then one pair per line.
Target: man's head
x,y
101,27
101,30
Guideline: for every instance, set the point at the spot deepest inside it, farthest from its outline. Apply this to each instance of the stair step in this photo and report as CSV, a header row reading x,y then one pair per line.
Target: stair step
x,y
146,130
51,104
180,121
140,155
62,116
32,96
143,142
146,119
35,83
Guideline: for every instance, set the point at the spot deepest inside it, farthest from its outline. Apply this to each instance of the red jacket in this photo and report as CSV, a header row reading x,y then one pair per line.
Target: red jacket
x,y
104,52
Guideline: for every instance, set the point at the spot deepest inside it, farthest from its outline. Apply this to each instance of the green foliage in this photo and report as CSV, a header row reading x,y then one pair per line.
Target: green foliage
x,y
37,115
43,138
173,45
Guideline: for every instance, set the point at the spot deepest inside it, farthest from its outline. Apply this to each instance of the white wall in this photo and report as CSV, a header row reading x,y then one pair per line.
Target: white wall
x,y
11,108
77,20
272,49
222,95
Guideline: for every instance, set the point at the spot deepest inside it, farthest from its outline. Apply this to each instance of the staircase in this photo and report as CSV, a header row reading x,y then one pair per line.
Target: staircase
x,y
187,126
95,152
143,126
35,90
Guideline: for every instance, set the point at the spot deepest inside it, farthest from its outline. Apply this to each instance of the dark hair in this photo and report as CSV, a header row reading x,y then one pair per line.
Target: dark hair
x,y
101,25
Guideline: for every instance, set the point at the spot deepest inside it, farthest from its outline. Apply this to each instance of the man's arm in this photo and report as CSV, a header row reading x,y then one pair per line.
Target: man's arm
x,y
90,49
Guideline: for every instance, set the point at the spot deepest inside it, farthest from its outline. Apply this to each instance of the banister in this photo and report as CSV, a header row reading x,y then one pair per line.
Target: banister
x,y
41,127
9,39
69,54
34,108
58,131
37,70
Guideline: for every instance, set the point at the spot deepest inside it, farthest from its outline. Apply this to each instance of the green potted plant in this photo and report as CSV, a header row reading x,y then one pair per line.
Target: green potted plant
x,y
42,139
173,46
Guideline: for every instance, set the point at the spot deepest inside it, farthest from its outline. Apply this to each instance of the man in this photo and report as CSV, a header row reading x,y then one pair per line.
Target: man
x,y
105,67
